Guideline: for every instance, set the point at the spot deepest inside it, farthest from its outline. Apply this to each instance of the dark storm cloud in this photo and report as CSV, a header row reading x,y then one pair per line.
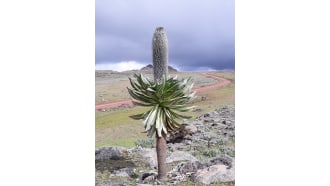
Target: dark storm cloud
x,y
200,33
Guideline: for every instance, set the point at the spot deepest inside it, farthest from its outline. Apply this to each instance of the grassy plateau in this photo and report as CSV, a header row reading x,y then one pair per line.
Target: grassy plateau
x,y
114,127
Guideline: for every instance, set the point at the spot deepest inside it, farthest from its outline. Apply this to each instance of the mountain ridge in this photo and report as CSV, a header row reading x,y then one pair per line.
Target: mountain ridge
x,y
150,68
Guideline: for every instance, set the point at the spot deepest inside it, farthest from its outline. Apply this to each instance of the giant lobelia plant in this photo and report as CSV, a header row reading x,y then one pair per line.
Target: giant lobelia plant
x,y
166,97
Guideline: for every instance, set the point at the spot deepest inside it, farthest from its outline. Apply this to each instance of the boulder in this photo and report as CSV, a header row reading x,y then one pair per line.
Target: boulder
x,y
189,129
223,160
215,174
214,129
184,133
150,156
125,172
148,178
180,156
110,153
190,166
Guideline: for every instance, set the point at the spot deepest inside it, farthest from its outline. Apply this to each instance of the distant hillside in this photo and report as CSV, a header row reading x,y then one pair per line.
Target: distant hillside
x,y
150,68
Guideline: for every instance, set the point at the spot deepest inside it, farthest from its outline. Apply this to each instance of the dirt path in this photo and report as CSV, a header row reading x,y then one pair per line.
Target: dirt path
x,y
222,82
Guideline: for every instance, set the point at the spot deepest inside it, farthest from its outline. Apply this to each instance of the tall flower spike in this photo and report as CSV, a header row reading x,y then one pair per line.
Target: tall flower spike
x,y
160,54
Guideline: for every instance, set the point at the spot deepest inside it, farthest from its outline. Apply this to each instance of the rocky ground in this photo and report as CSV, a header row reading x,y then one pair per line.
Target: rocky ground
x,y
202,153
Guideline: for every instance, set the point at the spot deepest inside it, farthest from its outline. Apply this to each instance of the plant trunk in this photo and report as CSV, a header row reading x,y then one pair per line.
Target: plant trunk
x,y
161,156
159,59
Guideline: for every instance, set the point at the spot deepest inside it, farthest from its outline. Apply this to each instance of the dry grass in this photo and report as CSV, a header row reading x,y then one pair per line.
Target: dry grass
x,y
111,86
115,128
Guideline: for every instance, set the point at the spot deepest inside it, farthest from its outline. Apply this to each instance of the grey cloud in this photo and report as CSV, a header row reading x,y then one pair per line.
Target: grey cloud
x,y
200,33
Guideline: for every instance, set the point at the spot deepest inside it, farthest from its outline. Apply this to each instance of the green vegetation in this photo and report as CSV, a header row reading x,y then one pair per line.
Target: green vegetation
x,y
119,117
116,128
145,143
167,98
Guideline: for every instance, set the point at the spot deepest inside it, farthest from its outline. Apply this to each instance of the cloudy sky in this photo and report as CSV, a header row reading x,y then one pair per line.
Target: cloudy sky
x,y
201,33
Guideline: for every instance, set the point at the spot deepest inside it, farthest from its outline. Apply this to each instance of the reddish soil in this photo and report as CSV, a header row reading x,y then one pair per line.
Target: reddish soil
x,y
222,82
